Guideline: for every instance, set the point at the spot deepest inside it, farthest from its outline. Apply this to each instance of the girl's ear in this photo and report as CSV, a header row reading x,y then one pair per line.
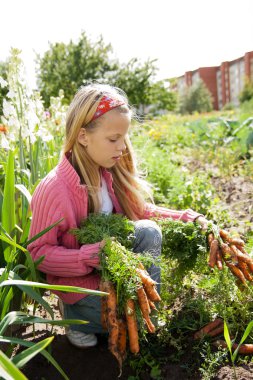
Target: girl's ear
x,y
82,137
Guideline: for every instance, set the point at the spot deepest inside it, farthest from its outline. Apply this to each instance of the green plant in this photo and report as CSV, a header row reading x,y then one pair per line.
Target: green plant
x,y
9,279
144,364
247,91
15,317
233,355
182,242
211,361
196,98
118,263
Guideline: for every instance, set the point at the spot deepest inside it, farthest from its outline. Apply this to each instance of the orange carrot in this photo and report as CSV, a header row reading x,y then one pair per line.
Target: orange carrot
x,y
219,260
112,321
145,277
208,327
225,235
242,256
219,330
227,252
237,241
145,308
152,305
132,327
122,339
243,250
214,247
143,301
250,266
236,272
149,285
152,293
230,239
210,238
246,349
245,270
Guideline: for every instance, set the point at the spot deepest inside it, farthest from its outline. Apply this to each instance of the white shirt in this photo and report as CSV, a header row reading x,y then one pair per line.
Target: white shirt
x,y
106,202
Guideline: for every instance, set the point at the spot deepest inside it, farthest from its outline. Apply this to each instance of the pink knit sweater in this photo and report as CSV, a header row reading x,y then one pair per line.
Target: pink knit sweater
x,y
60,195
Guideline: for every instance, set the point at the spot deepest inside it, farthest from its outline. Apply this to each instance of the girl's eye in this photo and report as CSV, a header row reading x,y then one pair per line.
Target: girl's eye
x,y
111,140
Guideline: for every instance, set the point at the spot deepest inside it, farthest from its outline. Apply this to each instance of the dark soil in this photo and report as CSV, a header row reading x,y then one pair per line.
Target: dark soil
x,y
97,363
91,363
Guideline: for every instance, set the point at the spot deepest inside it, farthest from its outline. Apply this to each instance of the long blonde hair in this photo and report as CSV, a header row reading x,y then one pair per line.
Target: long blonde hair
x,y
126,182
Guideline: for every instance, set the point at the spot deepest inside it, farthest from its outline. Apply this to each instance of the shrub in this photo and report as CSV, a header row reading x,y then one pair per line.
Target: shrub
x,y
247,92
196,98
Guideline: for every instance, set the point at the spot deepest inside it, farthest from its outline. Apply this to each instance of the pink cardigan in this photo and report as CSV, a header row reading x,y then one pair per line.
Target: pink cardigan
x,y
60,195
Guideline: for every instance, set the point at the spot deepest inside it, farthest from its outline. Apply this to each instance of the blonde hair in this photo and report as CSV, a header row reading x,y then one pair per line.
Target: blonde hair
x,y
127,185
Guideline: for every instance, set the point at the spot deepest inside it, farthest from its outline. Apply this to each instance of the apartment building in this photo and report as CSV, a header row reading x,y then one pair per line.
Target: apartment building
x,y
225,82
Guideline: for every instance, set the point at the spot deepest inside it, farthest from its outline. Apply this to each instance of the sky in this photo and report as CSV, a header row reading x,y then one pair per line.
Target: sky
x,y
182,35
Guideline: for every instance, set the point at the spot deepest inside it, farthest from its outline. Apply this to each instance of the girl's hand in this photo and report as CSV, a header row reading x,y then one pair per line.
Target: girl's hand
x,y
203,222
102,244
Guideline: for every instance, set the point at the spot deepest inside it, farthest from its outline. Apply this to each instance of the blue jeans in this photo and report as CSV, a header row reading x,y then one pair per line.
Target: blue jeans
x,y
148,238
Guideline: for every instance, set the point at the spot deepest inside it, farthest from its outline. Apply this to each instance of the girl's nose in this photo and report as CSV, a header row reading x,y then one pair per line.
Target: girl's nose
x,y
122,146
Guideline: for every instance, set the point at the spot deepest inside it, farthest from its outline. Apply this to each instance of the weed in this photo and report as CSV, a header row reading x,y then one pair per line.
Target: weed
x,y
211,361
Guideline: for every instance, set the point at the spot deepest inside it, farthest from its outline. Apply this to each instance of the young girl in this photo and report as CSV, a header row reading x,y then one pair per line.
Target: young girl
x,y
96,174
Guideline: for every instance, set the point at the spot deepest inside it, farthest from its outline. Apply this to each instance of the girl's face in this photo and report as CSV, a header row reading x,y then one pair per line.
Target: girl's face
x,y
106,143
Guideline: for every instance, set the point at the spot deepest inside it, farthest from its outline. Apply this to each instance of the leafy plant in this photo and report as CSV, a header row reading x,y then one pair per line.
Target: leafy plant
x,y
196,98
182,242
211,361
101,226
247,92
118,262
233,355
8,366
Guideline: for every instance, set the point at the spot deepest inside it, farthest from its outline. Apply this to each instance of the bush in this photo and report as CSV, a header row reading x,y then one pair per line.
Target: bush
x,y
247,92
196,98
247,107
228,107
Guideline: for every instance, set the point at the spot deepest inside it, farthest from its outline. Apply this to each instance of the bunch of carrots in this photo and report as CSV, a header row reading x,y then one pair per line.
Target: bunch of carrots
x,y
123,321
231,251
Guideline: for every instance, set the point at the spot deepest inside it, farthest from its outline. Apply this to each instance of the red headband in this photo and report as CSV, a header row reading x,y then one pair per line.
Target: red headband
x,y
106,104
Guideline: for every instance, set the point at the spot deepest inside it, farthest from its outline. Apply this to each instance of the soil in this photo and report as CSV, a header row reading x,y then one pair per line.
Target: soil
x,y
237,193
97,363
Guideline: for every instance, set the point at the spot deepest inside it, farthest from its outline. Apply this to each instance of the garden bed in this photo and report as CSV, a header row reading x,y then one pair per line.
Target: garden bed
x,y
97,363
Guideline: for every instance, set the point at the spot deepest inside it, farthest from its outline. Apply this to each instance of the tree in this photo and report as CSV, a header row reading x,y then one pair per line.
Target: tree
x,y
161,98
68,66
136,79
196,98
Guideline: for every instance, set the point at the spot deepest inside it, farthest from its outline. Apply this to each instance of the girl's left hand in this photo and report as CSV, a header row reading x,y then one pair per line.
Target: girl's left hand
x,y
203,222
